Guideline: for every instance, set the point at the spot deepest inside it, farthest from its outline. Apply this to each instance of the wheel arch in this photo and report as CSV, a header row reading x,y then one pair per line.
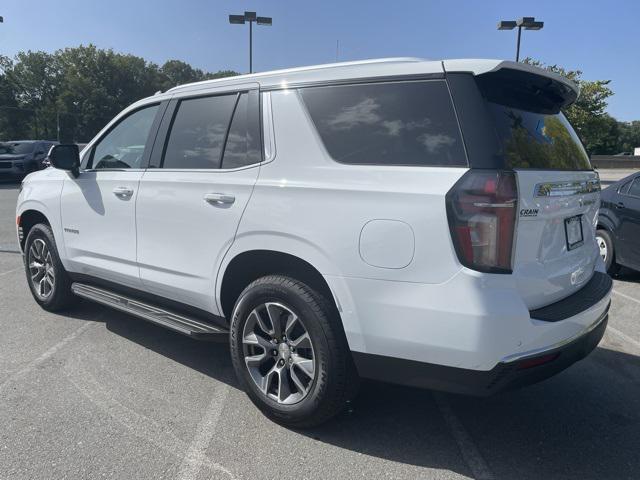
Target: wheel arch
x,y
27,220
249,265
605,222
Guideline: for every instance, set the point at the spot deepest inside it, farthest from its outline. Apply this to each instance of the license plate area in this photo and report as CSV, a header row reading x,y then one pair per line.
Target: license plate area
x,y
573,231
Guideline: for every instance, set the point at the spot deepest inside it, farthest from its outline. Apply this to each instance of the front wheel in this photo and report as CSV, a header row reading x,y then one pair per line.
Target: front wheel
x,y
48,280
290,353
605,246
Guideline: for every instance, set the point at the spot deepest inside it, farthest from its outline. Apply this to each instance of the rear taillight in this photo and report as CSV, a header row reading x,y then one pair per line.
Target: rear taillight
x,y
481,208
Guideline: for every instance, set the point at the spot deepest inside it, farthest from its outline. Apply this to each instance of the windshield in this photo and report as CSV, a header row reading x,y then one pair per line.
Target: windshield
x,y
16,148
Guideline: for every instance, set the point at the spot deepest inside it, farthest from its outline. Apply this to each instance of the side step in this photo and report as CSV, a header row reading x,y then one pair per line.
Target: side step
x,y
178,323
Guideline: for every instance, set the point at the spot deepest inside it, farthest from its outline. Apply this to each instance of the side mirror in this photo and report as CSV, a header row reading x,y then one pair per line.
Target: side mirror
x,y
65,157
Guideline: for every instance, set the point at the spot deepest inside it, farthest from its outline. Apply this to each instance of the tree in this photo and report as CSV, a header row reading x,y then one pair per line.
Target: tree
x,y
78,90
629,136
588,114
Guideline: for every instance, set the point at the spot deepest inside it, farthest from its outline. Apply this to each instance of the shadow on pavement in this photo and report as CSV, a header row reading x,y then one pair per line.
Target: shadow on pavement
x,y
583,423
628,276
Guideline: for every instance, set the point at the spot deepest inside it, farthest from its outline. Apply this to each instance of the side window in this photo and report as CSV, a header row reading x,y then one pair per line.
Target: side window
x,y
123,146
198,131
399,123
243,142
634,189
623,189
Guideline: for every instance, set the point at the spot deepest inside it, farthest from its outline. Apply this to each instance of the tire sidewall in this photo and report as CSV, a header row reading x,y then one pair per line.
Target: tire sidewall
x,y
255,295
44,233
610,251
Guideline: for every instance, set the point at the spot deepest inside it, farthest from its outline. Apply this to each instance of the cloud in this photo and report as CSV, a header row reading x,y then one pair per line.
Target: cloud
x,y
363,112
434,142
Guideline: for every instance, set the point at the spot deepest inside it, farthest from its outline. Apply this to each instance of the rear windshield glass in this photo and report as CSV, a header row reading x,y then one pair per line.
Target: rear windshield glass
x,y
538,140
399,123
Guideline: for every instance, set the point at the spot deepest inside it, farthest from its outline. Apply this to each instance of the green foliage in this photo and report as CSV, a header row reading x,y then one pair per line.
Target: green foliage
x,y
79,89
600,133
560,152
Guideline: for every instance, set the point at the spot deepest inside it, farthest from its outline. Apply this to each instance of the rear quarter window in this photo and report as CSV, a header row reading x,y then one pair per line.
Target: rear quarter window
x,y
398,123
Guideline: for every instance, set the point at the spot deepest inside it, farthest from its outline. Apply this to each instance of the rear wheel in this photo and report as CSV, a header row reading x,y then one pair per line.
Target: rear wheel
x,y
605,246
48,280
290,353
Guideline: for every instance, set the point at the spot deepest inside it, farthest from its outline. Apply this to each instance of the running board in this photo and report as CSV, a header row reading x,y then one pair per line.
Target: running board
x,y
178,323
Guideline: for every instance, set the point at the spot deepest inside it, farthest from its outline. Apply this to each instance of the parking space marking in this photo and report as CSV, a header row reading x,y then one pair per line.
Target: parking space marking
x,y
10,271
470,453
623,295
623,336
192,463
46,355
139,425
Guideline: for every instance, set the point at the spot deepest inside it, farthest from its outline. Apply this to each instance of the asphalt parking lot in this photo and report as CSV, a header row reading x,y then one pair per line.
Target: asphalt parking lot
x,y
95,393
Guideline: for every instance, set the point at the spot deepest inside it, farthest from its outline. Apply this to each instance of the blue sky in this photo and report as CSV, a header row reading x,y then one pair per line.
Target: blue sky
x,y
600,38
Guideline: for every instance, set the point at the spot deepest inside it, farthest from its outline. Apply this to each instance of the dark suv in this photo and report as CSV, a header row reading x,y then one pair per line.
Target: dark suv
x,y
19,158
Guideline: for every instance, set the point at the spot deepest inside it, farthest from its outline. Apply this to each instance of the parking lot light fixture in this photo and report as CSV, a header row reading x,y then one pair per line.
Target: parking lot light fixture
x,y
528,23
250,17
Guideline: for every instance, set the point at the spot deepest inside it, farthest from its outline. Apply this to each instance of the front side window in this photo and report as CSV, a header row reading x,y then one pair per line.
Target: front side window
x,y
634,189
123,146
399,123
198,132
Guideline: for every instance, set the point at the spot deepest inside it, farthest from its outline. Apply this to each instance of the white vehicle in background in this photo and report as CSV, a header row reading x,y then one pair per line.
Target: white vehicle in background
x,y
419,222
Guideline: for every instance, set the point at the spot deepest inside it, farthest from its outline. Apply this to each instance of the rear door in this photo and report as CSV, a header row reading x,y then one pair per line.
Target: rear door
x,y
558,192
204,165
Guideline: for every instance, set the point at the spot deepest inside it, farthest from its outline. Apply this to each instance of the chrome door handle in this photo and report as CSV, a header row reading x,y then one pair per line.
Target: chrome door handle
x,y
219,198
123,192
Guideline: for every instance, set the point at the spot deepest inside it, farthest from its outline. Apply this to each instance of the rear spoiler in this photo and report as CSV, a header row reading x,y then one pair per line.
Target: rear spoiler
x,y
519,84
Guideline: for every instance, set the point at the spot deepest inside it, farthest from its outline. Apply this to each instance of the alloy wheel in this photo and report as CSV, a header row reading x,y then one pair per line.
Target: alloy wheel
x,y
602,247
278,353
41,269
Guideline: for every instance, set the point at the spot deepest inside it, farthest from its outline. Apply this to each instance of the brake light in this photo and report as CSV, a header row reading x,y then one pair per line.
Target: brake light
x,y
481,208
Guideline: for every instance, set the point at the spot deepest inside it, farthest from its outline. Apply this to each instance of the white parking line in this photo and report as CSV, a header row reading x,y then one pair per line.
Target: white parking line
x,y
192,461
158,434
10,271
470,453
623,336
46,355
623,295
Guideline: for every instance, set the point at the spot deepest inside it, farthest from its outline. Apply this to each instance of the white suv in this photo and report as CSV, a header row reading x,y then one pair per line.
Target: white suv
x,y
420,222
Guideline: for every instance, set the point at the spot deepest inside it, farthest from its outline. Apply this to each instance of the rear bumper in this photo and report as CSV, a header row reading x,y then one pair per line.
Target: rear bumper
x,y
508,374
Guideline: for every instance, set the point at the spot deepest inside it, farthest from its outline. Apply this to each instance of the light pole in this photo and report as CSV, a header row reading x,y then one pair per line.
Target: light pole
x,y
250,17
528,23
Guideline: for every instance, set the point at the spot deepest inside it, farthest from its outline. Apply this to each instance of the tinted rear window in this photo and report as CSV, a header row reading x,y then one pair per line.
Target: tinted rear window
x,y
402,123
537,140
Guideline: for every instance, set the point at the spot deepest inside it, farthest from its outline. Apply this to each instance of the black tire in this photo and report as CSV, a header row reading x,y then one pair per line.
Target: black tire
x,y
335,380
60,296
610,260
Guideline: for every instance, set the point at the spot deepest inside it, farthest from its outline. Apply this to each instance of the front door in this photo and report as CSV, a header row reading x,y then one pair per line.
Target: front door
x,y
628,212
98,207
191,201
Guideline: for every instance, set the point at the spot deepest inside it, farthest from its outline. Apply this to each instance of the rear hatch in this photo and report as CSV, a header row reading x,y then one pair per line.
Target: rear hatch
x,y
555,204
